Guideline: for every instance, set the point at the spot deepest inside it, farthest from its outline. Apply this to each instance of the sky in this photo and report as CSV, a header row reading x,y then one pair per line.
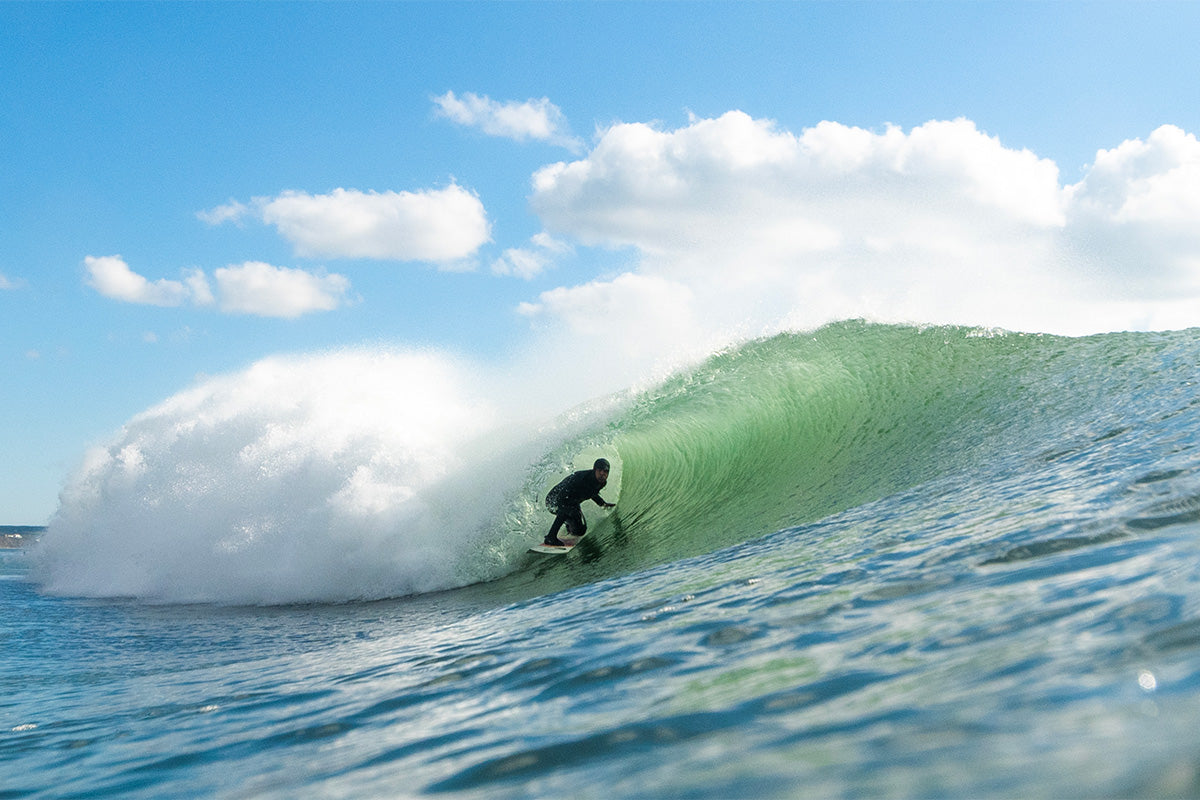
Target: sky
x,y
189,188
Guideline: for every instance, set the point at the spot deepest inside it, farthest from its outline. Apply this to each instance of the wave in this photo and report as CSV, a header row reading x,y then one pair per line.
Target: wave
x,y
373,474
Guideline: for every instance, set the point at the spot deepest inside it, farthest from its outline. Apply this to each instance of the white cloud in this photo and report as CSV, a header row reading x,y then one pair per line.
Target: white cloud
x,y
444,226
539,120
233,211
700,186
112,277
1136,214
7,283
520,262
650,305
198,288
758,227
267,291
528,262
250,288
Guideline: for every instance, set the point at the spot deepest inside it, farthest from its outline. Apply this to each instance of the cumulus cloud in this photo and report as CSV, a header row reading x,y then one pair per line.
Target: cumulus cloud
x,y
263,290
539,120
112,277
443,226
528,262
233,211
250,288
734,181
653,307
1136,214
757,226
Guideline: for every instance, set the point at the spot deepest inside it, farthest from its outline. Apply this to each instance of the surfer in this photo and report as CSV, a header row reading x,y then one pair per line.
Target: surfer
x,y
565,498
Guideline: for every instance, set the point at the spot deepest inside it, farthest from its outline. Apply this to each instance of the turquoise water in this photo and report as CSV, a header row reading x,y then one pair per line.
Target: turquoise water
x,y
869,560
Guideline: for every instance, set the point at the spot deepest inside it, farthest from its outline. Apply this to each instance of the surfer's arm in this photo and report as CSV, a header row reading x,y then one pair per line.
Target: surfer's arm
x,y
600,501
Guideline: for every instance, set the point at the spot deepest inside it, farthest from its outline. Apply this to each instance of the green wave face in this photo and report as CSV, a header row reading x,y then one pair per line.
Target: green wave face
x,y
786,430
789,429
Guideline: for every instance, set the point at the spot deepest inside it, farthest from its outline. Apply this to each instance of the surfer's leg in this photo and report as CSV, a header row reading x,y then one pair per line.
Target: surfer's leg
x,y
576,524
552,536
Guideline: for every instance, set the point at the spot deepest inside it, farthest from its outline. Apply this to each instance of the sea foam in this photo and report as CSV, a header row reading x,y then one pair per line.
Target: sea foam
x,y
339,476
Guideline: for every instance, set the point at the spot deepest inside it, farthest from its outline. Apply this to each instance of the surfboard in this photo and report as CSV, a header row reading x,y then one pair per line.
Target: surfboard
x,y
555,550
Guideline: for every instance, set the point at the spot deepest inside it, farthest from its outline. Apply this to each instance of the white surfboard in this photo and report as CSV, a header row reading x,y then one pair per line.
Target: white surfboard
x,y
556,550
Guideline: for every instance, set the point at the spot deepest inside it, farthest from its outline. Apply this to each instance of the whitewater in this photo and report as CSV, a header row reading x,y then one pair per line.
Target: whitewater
x,y
869,559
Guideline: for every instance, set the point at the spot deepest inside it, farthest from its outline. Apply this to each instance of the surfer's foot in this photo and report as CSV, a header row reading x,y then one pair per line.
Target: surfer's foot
x,y
554,541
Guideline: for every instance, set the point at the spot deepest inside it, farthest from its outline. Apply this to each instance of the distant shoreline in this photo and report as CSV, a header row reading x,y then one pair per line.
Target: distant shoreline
x,y
16,536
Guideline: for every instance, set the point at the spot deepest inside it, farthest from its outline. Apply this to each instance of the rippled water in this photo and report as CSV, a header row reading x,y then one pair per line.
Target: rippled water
x,y
910,647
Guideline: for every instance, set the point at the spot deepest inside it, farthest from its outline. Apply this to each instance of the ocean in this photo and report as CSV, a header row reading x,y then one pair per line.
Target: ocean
x,y
869,560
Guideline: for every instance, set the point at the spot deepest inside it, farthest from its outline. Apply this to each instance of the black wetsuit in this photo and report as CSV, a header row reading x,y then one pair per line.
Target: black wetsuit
x,y
565,498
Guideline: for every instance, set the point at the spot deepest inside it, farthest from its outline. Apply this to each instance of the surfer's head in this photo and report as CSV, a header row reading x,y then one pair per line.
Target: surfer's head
x,y
601,469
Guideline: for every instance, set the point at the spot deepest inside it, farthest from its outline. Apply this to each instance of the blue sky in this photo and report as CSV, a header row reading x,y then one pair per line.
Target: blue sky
x,y
188,188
